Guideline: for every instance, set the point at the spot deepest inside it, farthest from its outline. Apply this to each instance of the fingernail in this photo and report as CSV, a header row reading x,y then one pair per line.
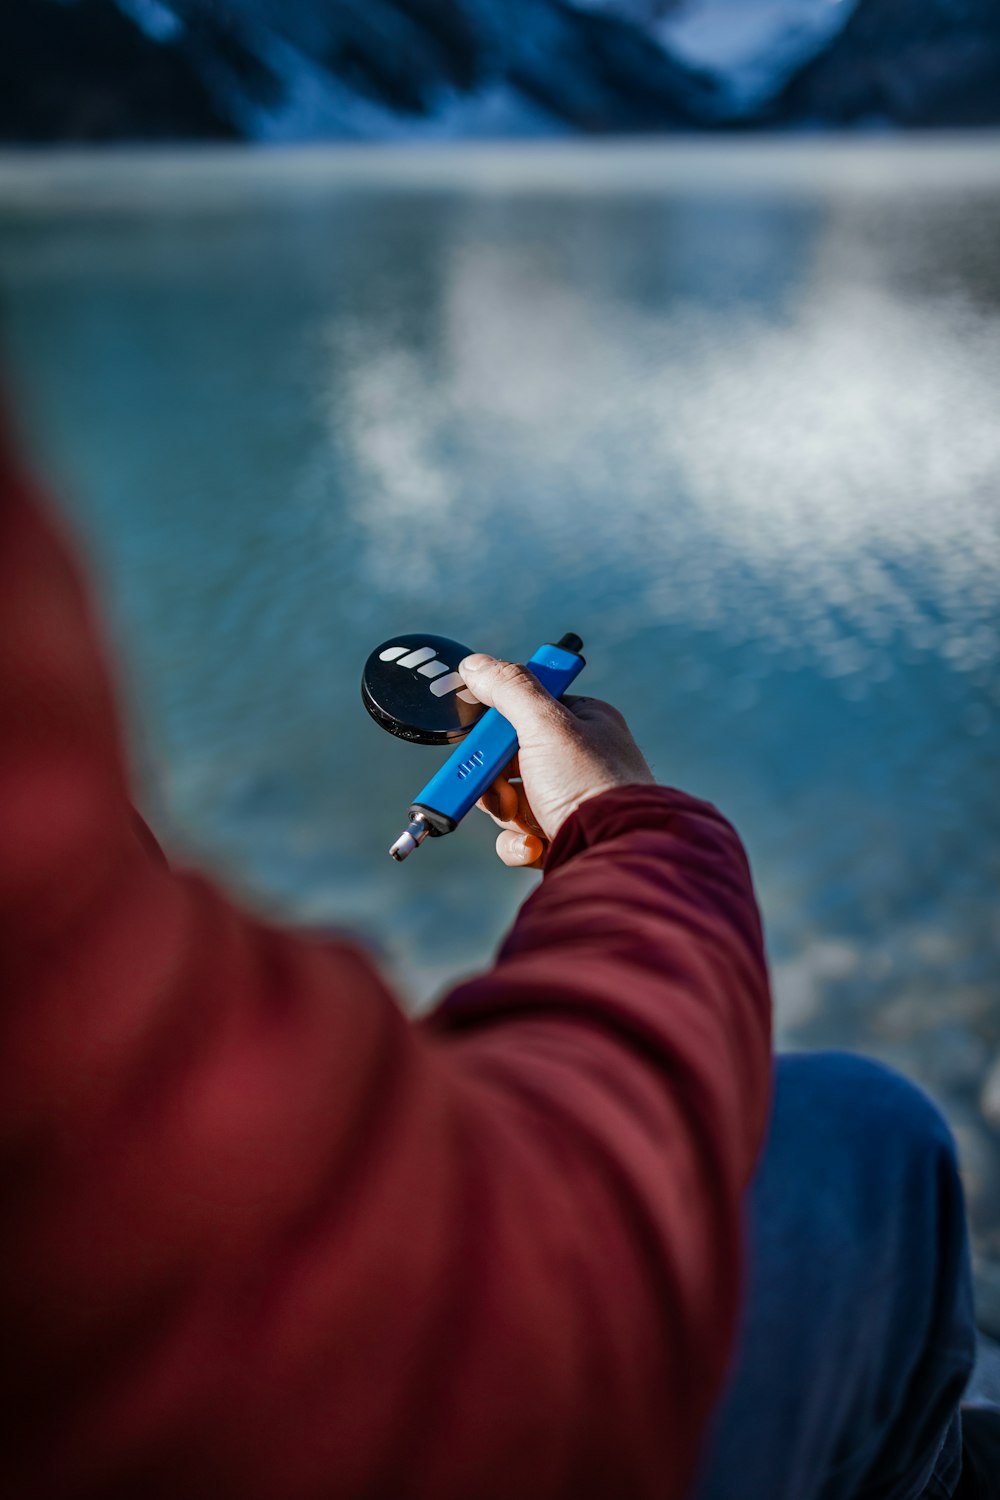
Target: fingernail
x,y
521,847
475,663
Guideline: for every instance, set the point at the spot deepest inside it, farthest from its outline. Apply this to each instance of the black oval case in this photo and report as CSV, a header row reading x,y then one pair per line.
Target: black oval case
x,y
411,687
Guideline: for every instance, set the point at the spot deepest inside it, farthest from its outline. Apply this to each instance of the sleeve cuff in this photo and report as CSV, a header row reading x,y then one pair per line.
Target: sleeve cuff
x,y
615,812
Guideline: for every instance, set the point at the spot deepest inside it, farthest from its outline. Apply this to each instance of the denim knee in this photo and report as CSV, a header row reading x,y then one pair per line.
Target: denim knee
x,y
857,1334
888,1194
878,1108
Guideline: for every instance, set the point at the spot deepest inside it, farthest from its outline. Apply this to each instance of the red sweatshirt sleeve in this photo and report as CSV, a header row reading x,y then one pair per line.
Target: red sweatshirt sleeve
x,y
262,1237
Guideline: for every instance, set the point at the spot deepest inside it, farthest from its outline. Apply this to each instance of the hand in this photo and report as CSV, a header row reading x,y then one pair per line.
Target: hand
x,y
568,751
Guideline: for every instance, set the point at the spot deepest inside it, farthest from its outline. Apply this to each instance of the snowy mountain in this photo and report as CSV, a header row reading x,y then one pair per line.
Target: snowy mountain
x,y
290,70
304,69
751,46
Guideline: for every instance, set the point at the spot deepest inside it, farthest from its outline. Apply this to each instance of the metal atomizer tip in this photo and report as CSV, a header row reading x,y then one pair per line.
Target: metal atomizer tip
x,y
412,836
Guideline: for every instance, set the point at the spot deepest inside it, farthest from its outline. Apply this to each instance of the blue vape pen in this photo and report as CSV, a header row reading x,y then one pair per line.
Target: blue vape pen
x,y
471,769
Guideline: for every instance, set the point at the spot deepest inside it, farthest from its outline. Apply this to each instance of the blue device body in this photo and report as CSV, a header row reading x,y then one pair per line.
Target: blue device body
x,y
478,760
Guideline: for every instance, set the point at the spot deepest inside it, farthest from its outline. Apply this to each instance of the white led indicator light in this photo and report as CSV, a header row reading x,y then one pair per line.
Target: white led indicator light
x,y
422,654
446,684
422,660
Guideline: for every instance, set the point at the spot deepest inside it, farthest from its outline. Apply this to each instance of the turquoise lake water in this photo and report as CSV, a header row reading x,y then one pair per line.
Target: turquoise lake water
x,y
731,412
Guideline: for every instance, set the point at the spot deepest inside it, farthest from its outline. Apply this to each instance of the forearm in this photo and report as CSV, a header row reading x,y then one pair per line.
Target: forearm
x,y
646,926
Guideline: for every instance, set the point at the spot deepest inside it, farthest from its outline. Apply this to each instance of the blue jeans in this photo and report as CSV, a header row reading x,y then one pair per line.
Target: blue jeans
x,y
858,1333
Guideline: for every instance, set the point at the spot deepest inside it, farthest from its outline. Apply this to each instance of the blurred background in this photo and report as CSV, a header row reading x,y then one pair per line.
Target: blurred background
x,y
673,324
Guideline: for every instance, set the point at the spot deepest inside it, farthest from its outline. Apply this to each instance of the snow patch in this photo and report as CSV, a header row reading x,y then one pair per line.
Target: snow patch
x,y
752,46
154,17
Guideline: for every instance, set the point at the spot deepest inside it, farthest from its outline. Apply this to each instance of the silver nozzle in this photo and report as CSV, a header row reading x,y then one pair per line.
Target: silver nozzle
x,y
412,836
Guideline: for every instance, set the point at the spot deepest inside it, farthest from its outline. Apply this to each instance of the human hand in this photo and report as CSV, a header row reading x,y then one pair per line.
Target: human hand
x,y
568,751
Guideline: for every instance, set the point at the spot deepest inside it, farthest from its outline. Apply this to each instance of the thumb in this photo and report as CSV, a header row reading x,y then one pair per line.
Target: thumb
x,y
513,691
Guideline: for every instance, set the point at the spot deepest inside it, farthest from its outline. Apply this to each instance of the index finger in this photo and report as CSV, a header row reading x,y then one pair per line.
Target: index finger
x,y
500,801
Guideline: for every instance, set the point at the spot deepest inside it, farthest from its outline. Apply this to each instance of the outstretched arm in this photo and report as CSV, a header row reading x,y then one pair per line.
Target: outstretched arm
x,y
263,1237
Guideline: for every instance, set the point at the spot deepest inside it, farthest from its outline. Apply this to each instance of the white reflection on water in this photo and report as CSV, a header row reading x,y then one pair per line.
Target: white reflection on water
x,y
834,451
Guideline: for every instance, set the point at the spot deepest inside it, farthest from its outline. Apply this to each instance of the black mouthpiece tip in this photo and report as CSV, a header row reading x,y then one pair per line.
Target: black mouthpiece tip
x,y
570,642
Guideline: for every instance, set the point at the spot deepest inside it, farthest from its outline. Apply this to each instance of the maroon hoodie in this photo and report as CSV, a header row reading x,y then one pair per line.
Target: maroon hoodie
x,y
263,1237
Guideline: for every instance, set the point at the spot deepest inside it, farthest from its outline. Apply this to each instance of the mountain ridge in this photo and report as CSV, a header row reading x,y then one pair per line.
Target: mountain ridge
x,y
294,70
